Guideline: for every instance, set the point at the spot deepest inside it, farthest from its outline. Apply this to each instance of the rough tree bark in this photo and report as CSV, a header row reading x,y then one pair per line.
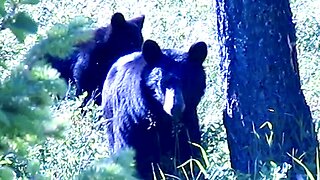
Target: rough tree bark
x,y
262,85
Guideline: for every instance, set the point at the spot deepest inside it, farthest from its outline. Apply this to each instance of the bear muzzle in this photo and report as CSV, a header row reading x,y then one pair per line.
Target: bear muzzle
x,y
174,103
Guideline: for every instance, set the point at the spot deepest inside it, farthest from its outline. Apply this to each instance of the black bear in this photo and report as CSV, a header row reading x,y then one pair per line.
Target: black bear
x,y
89,64
149,101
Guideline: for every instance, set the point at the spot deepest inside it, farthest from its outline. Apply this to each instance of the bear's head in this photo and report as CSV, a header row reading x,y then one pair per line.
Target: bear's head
x,y
154,80
162,80
192,74
121,36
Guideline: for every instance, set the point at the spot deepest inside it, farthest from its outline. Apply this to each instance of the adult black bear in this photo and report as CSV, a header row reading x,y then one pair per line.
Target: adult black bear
x,y
89,64
149,100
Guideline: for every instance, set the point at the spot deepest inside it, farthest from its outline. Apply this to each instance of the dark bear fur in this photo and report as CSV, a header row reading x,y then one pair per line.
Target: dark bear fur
x,y
149,100
89,64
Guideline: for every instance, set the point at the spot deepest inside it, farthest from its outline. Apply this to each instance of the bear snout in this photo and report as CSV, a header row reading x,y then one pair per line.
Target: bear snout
x,y
173,103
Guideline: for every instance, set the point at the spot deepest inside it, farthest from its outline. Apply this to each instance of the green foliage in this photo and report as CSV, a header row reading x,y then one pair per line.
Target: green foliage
x,y
27,94
33,2
25,102
119,166
2,8
24,114
7,173
61,39
24,22
20,23
14,167
26,97
79,145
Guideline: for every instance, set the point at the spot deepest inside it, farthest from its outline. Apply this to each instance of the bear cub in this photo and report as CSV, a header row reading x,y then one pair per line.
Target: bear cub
x,y
88,65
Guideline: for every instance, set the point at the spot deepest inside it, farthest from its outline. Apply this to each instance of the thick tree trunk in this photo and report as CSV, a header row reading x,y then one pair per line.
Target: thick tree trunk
x,y
262,84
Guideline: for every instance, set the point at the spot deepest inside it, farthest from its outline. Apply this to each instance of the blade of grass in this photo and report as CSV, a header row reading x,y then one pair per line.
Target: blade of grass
x,y
203,153
161,173
309,174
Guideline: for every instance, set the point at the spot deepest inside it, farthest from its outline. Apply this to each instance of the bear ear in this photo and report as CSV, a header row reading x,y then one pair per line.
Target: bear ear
x,y
198,52
117,20
138,21
151,52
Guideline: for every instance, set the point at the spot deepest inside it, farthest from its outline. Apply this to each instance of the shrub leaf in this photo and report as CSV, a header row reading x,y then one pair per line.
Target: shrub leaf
x,y
2,11
24,22
29,1
20,34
